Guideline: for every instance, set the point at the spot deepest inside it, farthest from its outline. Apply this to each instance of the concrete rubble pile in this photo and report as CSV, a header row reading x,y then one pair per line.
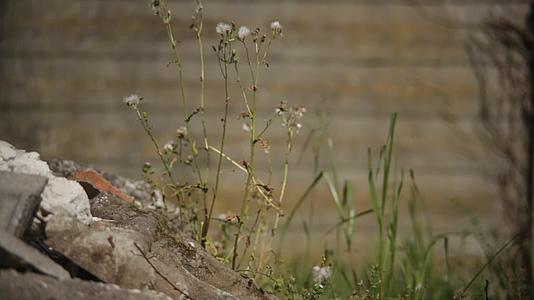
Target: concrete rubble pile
x,y
68,231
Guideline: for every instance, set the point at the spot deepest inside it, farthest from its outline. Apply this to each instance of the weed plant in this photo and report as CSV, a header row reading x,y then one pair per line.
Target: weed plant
x,y
403,267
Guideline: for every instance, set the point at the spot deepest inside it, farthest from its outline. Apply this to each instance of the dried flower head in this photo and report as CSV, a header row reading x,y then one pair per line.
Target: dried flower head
x,y
321,274
132,100
147,169
160,9
189,159
276,28
223,28
233,219
181,133
169,147
291,115
265,145
155,5
243,115
197,18
243,32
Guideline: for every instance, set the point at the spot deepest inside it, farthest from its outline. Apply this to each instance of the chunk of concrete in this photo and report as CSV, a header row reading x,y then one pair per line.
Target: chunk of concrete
x,y
20,195
29,163
30,286
60,196
14,253
66,197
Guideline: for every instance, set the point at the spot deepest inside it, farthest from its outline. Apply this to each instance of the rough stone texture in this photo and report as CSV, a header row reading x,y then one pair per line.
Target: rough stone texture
x,y
124,244
7,151
104,249
28,163
14,253
32,286
19,199
109,249
66,197
61,196
137,189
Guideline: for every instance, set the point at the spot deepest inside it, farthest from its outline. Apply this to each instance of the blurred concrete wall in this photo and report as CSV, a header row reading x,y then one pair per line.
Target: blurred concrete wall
x,y
65,66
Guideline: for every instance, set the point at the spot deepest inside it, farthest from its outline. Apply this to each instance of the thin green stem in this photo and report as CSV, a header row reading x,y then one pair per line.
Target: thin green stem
x,y
284,178
178,61
202,67
146,127
223,138
250,167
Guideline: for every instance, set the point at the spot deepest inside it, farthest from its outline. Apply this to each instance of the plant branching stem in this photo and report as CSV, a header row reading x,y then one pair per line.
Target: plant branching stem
x,y
146,127
223,138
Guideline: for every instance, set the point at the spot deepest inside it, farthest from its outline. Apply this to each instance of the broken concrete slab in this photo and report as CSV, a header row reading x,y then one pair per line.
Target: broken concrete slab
x,y
103,249
14,253
20,195
138,249
30,286
60,196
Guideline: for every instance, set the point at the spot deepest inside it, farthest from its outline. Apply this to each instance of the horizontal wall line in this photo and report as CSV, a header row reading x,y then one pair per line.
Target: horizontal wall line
x,y
157,57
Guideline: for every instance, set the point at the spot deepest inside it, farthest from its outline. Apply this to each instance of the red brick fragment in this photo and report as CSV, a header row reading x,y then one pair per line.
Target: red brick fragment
x,y
100,183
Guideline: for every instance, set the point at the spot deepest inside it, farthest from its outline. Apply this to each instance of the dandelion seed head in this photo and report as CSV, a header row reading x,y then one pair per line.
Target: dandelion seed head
x,y
276,26
321,274
243,32
277,29
223,28
246,127
132,100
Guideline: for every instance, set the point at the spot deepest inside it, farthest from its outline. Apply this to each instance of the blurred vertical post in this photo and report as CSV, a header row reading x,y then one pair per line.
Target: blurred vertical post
x,y
502,55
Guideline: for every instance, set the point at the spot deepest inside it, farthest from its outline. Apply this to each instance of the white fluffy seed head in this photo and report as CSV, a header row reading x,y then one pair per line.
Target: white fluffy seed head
x,y
132,100
223,28
276,26
321,274
243,32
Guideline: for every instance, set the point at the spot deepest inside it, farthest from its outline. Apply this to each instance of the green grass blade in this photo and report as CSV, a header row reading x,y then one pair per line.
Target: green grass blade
x,y
372,190
392,234
380,160
347,193
299,203
360,214
387,159
332,187
490,260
